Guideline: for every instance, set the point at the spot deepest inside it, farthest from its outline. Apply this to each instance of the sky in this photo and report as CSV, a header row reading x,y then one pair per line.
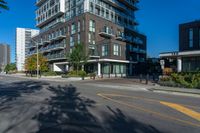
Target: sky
x,y
158,19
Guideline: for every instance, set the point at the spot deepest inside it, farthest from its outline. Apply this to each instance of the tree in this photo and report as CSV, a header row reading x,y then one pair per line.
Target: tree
x,y
31,63
77,57
3,5
10,67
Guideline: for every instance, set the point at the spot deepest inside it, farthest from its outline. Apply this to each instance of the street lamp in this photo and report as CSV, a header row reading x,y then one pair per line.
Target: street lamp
x,y
37,58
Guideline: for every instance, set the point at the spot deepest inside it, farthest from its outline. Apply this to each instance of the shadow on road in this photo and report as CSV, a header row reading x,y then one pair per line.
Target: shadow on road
x,y
10,92
69,112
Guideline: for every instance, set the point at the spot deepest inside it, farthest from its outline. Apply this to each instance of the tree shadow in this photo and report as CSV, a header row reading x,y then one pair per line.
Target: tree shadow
x,y
118,122
10,92
66,111
69,112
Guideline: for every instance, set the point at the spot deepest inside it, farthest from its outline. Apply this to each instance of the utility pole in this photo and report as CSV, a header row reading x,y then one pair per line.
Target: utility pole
x,y
37,57
37,61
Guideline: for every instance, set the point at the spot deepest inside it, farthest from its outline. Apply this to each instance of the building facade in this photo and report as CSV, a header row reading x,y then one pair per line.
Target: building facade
x,y
106,28
23,40
188,57
4,56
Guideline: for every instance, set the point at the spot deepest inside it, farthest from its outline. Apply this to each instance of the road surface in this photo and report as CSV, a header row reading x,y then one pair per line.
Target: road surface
x,y
34,106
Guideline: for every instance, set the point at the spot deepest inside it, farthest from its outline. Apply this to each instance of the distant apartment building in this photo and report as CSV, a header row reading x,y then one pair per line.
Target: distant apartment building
x,y
23,39
188,57
4,55
106,28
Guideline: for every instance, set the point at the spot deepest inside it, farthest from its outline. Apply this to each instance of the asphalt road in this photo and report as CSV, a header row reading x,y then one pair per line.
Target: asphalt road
x,y
113,106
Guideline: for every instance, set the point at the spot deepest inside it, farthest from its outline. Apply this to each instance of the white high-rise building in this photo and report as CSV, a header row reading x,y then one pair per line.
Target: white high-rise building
x,y
23,39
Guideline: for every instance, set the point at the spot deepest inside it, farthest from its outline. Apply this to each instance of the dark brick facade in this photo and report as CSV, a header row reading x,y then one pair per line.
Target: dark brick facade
x,y
184,36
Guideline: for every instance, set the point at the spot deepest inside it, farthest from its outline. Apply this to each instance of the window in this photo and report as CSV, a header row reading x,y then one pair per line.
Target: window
x,y
89,37
91,7
68,30
102,12
199,37
190,37
73,29
116,50
97,11
71,41
79,38
83,25
79,26
105,50
92,26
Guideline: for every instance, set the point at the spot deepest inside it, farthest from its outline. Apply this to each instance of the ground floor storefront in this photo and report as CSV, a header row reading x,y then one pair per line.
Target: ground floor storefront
x,y
101,67
181,61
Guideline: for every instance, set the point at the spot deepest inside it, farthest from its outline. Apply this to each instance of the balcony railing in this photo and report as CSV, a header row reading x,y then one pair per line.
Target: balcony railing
x,y
39,2
56,56
107,32
54,47
57,37
141,60
120,37
56,22
130,4
142,51
31,52
129,39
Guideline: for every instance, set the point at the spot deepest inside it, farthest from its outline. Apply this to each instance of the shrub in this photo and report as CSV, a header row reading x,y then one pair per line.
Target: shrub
x,y
82,74
165,78
50,73
188,80
92,74
75,74
65,76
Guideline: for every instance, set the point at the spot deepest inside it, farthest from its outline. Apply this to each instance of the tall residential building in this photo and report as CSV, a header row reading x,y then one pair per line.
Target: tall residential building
x,y
4,56
188,57
23,39
106,28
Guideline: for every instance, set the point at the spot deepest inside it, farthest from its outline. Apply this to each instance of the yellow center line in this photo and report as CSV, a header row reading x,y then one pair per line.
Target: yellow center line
x,y
143,98
195,115
149,111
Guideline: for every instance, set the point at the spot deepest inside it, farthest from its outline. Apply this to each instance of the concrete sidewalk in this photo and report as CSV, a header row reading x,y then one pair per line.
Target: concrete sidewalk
x,y
175,90
44,78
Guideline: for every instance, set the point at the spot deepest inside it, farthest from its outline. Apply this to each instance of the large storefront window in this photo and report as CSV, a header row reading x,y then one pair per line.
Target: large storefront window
x,y
191,64
114,68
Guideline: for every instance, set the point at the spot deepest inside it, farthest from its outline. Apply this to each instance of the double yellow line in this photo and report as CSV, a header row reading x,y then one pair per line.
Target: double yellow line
x,y
188,112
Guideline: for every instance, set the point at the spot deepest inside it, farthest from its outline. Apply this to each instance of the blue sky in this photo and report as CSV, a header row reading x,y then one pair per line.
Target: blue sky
x,y
159,20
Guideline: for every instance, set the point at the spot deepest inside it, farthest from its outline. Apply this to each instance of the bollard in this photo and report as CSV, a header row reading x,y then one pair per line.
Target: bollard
x,y
140,78
147,78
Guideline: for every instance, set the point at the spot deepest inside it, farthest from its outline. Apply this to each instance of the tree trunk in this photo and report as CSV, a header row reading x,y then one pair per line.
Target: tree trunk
x,y
77,70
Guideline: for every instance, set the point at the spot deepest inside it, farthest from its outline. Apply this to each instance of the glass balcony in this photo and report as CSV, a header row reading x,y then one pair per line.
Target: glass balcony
x,y
39,2
141,60
142,51
31,52
120,37
56,56
46,42
50,48
129,39
106,32
132,4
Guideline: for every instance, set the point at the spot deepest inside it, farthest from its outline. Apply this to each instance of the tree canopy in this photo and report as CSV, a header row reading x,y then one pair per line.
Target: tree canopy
x,y
10,67
78,56
31,63
3,5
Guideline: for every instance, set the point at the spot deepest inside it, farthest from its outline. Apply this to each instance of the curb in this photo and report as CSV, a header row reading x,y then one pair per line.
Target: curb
x,y
174,91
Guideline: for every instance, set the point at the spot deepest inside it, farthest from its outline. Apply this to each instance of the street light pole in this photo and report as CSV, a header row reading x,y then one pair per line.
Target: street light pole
x,y
37,61
37,57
